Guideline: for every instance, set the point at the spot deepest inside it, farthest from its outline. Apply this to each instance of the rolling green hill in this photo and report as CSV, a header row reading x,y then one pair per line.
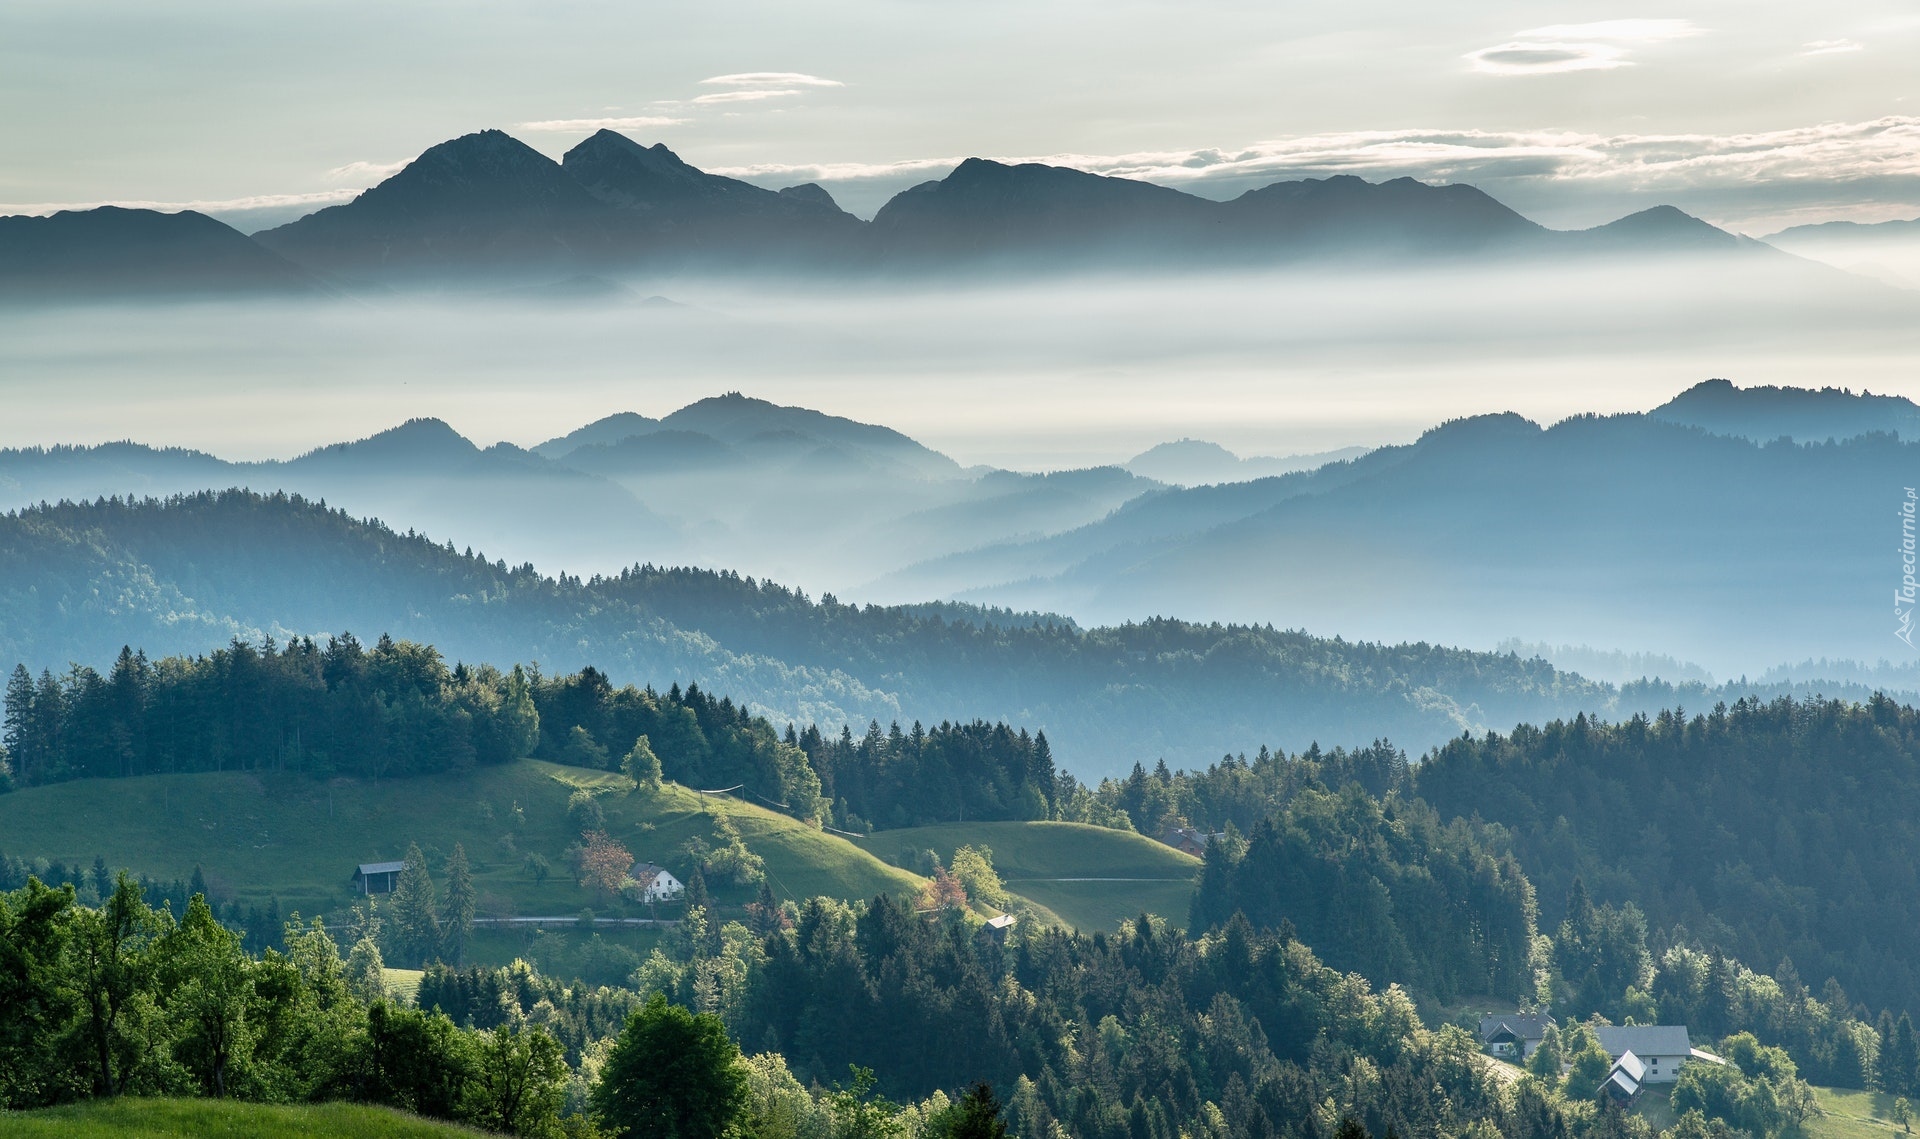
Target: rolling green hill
x,y
1091,877
255,835
220,1119
1848,1114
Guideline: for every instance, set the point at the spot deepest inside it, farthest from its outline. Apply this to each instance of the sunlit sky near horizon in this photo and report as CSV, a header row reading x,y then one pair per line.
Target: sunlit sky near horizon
x,y
1753,115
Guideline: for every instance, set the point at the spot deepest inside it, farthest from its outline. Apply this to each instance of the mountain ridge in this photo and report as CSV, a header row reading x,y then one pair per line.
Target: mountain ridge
x,y
485,210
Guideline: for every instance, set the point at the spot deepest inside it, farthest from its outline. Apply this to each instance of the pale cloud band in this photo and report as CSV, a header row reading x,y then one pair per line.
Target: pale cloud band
x,y
221,206
629,123
1827,152
748,95
770,79
1814,163
1599,46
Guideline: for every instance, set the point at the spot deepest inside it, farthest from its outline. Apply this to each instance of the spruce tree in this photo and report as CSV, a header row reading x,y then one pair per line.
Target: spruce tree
x,y
976,1116
460,906
16,737
416,924
696,891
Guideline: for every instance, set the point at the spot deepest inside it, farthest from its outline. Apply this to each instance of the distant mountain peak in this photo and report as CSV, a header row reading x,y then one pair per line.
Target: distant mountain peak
x,y
484,197
483,156
1764,412
811,193
1668,226
602,432
654,182
607,145
424,438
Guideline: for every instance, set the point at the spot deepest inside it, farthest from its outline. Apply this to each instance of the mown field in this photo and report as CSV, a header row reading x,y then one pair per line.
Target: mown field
x,y
259,835
220,1119
1854,1115
1092,877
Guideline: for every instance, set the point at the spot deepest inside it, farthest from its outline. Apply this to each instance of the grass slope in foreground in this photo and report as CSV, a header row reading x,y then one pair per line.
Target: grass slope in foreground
x,y
256,834
1853,1115
220,1119
1091,876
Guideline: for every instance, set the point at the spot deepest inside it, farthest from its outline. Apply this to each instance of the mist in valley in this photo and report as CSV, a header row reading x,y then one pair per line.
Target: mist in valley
x,y
1069,376
1065,372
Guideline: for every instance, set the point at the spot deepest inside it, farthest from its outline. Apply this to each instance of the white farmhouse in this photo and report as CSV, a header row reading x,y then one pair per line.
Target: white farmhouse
x,y
650,883
1661,1049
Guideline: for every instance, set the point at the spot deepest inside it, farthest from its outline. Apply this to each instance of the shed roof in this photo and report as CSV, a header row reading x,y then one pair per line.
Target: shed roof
x,y
1618,1078
370,868
1645,1039
1631,1065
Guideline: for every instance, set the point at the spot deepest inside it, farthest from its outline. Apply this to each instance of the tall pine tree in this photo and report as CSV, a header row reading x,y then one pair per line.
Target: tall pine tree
x,y
458,926
416,922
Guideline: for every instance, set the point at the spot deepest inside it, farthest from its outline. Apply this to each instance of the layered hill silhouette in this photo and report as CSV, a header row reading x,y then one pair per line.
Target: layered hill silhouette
x,y
727,481
79,581
1888,251
1680,532
1694,531
185,575
486,211
112,252
1804,415
1196,462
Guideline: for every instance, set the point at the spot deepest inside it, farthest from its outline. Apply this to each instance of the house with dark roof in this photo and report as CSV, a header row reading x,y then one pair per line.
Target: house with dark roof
x,y
1189,840
377,877
1516,1035
1660,1049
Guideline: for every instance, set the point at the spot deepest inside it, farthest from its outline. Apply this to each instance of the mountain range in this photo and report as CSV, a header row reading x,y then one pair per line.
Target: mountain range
x,y
78,581
1888,251
111,253
486,211
1701,530
784,492
1741,529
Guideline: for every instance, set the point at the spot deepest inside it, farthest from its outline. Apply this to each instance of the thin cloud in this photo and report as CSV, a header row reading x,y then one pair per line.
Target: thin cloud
x,y
1526,57
770,79
1840,152
633,122
1559,48
228,205
1830,47
364,172
751,95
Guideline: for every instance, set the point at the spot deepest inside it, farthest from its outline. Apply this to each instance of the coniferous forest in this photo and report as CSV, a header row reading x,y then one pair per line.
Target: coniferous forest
x,y
1348,898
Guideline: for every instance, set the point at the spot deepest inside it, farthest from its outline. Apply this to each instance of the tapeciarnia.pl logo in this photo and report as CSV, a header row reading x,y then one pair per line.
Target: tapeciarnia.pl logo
x,y
1909,591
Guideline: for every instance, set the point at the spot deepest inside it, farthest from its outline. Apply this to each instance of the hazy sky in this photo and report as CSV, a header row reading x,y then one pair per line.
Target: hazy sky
x,y
1754,115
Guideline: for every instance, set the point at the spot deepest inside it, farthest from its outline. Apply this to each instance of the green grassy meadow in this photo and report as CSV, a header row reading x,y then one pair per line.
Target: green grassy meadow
x,y
220,1119
1853,1115
255,835
1038,860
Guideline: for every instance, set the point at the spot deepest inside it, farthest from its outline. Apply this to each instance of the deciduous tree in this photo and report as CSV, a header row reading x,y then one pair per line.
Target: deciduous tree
x,y
672,1075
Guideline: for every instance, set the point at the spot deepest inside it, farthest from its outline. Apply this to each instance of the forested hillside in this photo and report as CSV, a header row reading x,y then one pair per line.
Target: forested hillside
x,y
79,582
1777,831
